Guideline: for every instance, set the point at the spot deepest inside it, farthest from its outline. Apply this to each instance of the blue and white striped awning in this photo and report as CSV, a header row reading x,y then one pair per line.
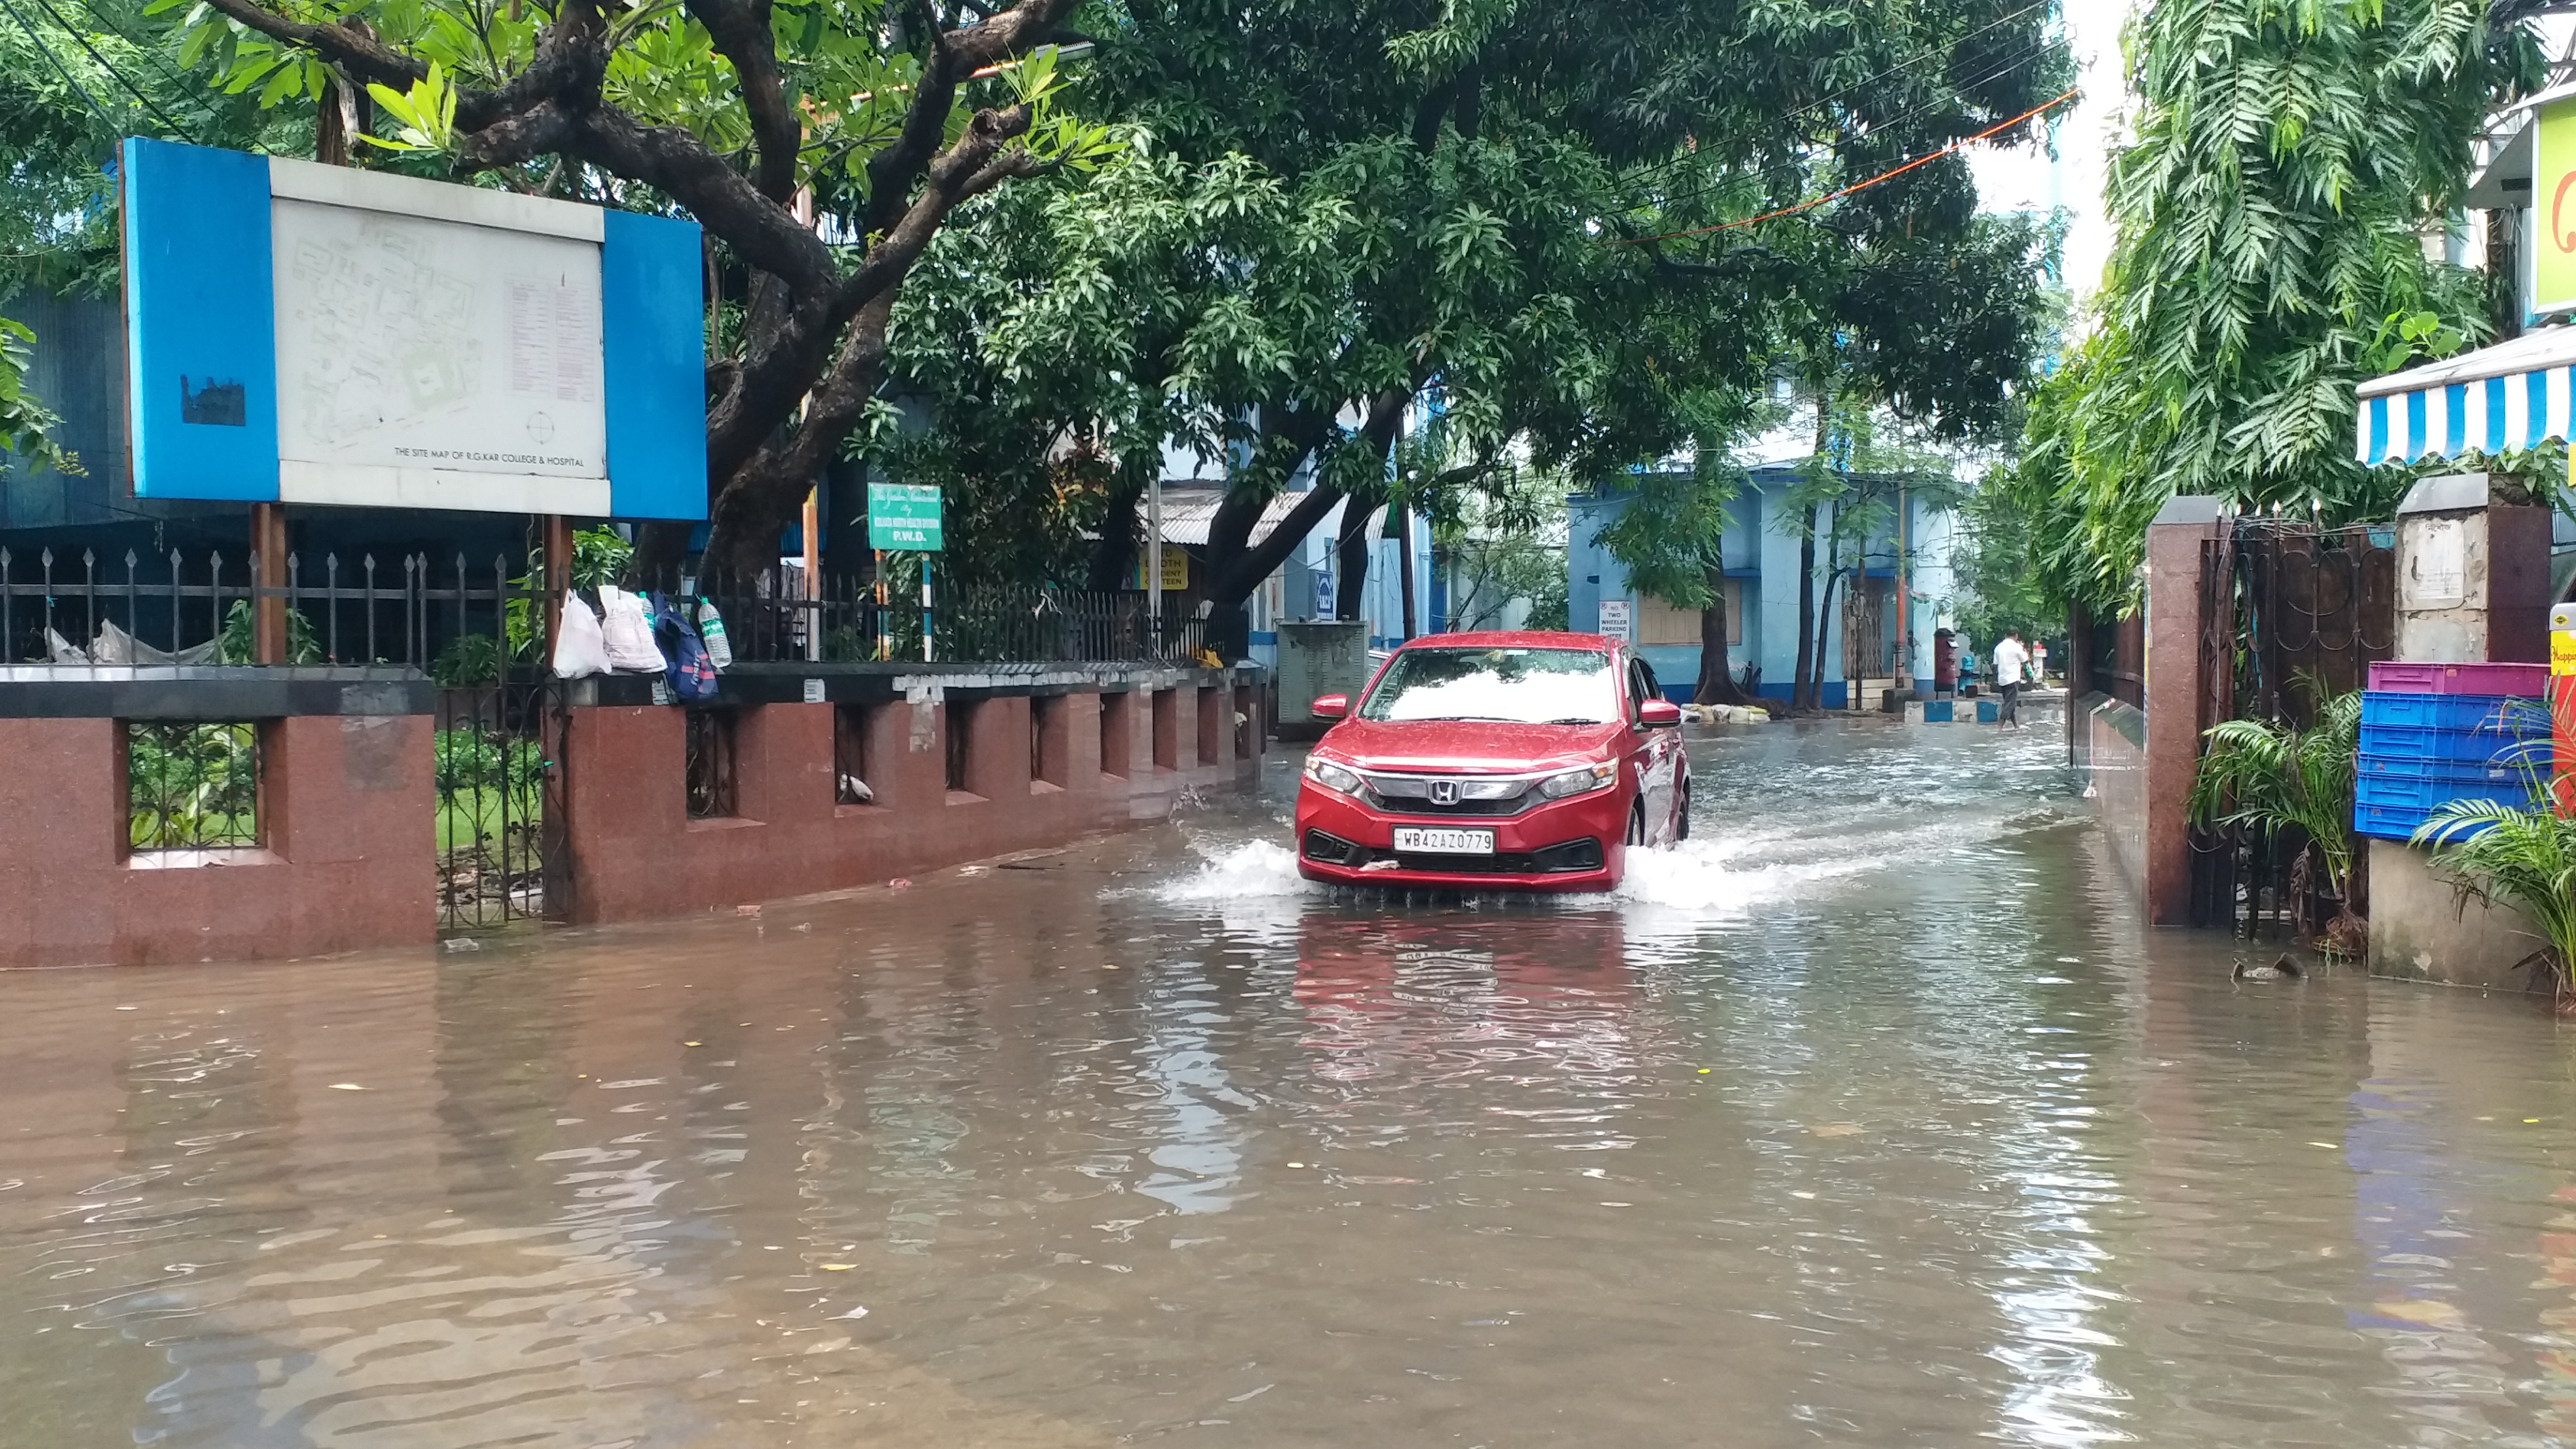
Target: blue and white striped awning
x,y
2512,395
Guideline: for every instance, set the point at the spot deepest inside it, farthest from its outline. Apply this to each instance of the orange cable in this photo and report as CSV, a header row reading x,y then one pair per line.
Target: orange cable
x,y
1629,241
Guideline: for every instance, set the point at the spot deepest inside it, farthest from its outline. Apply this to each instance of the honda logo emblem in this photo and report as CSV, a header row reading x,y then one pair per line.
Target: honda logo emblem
x,y
1444,792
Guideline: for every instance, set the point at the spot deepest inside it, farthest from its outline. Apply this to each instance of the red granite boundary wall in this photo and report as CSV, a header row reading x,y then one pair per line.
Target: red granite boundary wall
x,y
347,809
637,855
348,804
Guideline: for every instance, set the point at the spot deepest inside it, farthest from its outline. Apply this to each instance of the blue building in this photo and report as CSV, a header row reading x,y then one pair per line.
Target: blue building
x,y
1761,564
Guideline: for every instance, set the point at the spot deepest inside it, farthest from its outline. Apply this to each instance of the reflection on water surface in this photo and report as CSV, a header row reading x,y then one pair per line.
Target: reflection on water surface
x,y
1870,1119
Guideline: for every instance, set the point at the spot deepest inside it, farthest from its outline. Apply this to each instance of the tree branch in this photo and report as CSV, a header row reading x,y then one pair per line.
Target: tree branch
x,y
357,56
978,161
759,230
954,55
741,33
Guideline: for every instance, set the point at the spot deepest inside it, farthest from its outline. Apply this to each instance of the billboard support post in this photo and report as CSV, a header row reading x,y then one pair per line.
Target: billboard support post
x,y
558,551
268,577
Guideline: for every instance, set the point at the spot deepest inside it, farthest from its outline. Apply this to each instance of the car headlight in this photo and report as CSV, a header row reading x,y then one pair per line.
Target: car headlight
x,y
1332,777
1578,782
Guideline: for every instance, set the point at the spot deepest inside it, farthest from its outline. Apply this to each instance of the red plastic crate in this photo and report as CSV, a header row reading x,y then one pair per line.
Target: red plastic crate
x,y
2522,681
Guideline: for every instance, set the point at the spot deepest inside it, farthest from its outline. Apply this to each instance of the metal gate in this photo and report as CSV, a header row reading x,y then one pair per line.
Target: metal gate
x,y
2290,613
500,773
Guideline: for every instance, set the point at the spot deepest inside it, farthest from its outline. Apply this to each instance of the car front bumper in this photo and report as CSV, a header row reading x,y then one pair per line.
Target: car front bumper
x,y
1563,845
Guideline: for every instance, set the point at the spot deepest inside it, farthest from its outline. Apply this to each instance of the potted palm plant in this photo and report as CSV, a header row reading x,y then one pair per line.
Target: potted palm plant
x,y
2499,852
2270,777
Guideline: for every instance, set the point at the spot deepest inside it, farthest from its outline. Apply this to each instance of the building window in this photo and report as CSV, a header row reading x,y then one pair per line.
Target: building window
x,y
710,763
1166,708
1116,745
1211,729
192,786
1661,623
850,725
961,725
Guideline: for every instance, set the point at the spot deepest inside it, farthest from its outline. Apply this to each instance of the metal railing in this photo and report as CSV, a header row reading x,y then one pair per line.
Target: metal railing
x,y
780,616
155,609
469,624
192,786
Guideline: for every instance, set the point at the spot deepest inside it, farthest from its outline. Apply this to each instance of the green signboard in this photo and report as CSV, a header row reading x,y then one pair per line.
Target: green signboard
x,y
2553,199
903,516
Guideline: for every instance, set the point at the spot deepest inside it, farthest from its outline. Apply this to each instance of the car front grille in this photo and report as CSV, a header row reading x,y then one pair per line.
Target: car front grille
x,y
1468,795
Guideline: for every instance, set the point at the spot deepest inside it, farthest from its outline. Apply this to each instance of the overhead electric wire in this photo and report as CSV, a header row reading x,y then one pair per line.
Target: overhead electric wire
x,y
1828,99
151,53
2060,99
1714,184
119,76
59,68
2021,58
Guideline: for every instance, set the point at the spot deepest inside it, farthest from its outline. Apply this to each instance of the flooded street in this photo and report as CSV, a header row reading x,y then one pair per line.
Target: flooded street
x,y
1869,1117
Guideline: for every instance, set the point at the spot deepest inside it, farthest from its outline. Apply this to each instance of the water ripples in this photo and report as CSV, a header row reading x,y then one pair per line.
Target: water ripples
x,y
1866,1119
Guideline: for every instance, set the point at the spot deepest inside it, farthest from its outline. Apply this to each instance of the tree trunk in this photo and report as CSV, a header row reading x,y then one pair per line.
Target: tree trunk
x,y
1237,566
1716,671
1825,620
1801,686
1351,561
1122,536
1399,528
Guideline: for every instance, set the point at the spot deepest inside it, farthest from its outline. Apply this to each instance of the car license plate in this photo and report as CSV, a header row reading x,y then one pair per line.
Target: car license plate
x,y
1410,840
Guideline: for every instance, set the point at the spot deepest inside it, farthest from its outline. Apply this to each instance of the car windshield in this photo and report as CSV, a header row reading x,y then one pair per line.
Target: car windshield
x,y
1522,686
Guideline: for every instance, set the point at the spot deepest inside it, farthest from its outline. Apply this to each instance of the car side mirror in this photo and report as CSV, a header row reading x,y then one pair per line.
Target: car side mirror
x,y
1659,714
1331,706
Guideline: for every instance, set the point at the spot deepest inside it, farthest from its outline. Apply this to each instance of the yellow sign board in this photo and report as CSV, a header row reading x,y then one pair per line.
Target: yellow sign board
x,y
2562,639
1176,569
2553,199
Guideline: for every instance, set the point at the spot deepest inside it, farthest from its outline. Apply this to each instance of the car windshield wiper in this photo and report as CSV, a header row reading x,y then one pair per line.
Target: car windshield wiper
x,y
1575,719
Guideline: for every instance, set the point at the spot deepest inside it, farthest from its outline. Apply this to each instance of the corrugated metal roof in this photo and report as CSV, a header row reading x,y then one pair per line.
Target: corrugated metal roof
x,y
1188,512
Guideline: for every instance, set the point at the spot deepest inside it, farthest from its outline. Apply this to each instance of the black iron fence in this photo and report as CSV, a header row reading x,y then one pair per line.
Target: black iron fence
x,y
466,623
782,615
156,609
2291,613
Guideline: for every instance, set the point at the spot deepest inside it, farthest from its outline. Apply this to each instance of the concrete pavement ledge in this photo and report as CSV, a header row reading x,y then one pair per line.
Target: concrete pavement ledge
x,y
210,692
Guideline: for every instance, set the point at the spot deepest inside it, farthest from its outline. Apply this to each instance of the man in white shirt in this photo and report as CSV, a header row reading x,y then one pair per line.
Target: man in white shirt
x,y
2011,659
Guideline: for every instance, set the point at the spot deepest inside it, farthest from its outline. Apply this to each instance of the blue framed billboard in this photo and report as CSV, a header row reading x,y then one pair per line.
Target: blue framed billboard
x,y
300,333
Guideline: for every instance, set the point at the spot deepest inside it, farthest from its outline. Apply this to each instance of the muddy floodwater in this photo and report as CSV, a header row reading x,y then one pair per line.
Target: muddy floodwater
x,y
1869,1117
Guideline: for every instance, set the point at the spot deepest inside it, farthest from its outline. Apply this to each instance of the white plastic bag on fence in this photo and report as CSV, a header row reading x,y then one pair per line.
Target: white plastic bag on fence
x,y
629,632
581,649
115,646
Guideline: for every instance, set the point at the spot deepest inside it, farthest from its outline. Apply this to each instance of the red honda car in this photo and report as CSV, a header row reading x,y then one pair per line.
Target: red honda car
x,y
1517,761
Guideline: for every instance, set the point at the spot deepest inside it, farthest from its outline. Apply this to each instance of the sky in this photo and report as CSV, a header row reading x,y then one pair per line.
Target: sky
x,y
2026,178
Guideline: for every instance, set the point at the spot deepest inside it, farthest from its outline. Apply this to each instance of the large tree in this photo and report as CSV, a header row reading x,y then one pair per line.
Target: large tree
x,y
73,81
821,145
2288,161
1465,183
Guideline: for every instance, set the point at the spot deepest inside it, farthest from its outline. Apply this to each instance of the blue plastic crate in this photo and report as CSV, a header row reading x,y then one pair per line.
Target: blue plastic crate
x,y
2491,714
2438,742
2504,770
2392,806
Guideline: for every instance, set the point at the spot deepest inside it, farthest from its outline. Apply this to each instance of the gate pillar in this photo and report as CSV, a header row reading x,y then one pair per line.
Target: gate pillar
x,y
2175,629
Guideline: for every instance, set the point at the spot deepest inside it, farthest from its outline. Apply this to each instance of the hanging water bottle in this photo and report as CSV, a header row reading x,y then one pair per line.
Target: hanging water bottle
x,y
711,632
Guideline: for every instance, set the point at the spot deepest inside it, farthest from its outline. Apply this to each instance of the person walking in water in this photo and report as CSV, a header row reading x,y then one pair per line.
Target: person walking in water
x,y
2011,660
